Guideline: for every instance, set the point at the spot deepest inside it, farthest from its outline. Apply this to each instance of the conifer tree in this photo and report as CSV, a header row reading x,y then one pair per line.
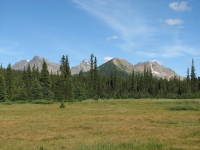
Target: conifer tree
x,y
199,84
9,81
28,79
145,79
96,79
45,81
150,82
36,91
91,78
193,78
3,95
66,79
133,82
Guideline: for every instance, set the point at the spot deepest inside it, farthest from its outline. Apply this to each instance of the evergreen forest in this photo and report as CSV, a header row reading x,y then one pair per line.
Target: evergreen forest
x,y
32,84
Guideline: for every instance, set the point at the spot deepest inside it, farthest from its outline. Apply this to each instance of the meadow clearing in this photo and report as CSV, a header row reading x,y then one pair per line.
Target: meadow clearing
x,y
103,124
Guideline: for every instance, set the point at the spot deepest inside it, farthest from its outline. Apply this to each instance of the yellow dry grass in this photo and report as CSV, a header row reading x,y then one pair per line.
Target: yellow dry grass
x,y
37,126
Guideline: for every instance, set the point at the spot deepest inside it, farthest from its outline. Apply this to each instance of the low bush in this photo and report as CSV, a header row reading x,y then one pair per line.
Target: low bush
x,y
178,108
41,101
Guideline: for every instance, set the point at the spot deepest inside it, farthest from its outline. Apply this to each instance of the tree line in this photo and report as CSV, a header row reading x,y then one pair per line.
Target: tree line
x,y
32,84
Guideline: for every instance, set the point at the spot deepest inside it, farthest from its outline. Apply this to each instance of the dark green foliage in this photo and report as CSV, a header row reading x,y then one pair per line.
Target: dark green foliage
x,y
3,95
193,78
36,91
19,94
42,101
65,80
9,81
62,104
45,82
178,108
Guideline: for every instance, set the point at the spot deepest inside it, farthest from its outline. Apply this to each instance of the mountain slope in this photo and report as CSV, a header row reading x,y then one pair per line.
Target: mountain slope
x,y
19,65
156,69
84,66
37,61
118,65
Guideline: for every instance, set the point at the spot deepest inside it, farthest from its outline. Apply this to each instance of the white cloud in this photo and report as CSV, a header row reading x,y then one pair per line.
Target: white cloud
x,y
107,58
114,37
179,6
111,38
172,22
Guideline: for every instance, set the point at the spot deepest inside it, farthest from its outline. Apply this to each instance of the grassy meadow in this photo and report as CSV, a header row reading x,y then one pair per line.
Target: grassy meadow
x,y
103,124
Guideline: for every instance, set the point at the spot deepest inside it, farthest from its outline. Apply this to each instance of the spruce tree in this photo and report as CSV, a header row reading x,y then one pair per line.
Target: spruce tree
x,y
66,79
91,91
28,79
9,81
199,84
3,95
133,82
193,78
96,79
36,91
45,81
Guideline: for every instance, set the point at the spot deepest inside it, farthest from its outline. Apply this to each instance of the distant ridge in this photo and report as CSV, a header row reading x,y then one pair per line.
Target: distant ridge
x,y
118,65
37,61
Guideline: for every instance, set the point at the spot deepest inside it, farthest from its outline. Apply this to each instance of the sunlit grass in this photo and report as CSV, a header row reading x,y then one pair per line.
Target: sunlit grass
x,y
102,124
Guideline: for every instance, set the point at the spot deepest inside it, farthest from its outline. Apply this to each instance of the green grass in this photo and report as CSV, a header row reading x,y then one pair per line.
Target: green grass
x,y
104,124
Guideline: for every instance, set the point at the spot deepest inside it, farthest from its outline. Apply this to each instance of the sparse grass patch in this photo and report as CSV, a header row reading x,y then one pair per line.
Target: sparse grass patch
x,y
178,108
133,145
103,124
42,101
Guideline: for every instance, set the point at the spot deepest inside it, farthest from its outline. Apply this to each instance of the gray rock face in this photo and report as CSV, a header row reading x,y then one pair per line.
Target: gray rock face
x,y
157,69
37,61
84,66
20,65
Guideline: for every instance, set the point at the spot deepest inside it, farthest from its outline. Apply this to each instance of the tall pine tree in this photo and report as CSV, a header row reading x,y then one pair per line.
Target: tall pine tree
x,y
193,78
3,95
9,81
45,81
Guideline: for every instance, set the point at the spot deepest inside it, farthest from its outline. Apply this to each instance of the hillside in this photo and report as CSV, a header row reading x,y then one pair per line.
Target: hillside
x,y
118,65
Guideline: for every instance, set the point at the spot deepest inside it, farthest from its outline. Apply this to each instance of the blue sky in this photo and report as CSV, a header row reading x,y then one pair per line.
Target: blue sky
x,y
137,30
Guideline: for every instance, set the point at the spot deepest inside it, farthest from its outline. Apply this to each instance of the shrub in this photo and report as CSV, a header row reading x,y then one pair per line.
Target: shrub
x,y
62,104
41,101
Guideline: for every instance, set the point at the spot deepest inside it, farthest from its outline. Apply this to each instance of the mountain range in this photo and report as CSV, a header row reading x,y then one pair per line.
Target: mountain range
x,y
118,65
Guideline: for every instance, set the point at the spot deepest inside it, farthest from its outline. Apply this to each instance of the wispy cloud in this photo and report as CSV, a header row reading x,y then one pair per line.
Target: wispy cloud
x,y
120,17
170,51
112,38
138,33
107,58
172,22
9,47
7,52
179,6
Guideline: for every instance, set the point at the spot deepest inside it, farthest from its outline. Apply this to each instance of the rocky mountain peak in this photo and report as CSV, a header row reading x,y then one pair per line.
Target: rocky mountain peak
x,y
37,57
155,62
37,61
84,66
157,69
